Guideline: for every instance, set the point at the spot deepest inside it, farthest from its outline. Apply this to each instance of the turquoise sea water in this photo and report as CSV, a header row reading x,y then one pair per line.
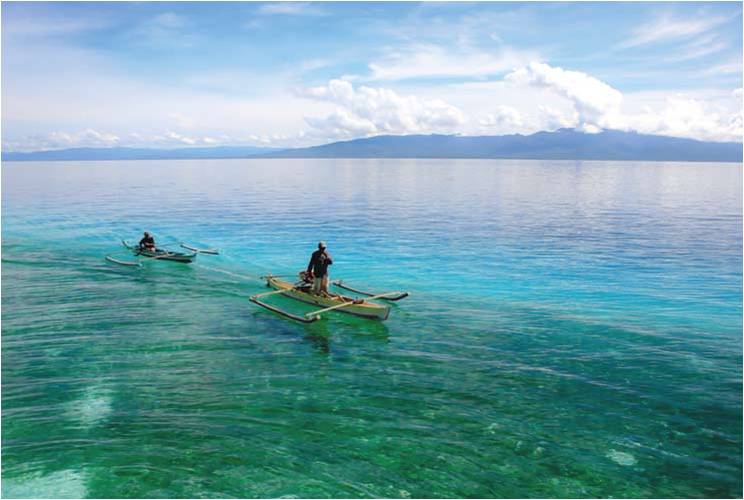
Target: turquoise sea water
x,y
574,330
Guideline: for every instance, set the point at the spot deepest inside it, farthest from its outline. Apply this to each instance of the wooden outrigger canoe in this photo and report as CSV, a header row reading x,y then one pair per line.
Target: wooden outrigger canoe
x,y
358,307
161,254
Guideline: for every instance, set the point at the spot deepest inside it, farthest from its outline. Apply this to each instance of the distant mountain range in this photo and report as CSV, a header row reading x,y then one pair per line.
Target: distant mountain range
x,y
563,144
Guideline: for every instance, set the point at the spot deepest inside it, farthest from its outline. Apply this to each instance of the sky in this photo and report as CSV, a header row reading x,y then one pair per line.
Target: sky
x,y
292,74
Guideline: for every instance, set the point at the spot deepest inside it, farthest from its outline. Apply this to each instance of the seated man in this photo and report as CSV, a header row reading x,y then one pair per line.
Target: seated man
x,y
147,242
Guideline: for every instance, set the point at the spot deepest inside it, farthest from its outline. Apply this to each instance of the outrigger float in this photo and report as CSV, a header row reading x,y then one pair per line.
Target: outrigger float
x,y
300,291
160,254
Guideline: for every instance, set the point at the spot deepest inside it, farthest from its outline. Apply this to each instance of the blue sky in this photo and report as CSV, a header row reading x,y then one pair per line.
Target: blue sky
x,y
292,74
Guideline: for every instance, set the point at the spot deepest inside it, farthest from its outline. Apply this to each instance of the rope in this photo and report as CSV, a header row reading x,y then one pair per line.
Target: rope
x,y
235,275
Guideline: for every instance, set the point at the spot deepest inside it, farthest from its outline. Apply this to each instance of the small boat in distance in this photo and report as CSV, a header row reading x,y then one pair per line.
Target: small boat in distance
x,y
160,254
300,291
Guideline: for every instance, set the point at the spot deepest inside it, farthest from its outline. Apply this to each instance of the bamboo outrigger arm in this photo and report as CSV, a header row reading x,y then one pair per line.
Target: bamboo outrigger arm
x,y
254,299
211,251
123,262
135,264
400,295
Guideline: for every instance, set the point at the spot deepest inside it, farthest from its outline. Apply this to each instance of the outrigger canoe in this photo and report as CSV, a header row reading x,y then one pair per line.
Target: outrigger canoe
x,y
358,307
161,254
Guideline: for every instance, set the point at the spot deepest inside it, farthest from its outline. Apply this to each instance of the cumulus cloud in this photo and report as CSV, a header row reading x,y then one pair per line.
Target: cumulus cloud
x,y
597,104
367,111
683,116
553,119
503,116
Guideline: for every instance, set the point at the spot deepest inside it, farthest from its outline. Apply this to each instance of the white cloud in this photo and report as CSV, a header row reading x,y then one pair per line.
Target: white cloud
x,y
429,60
88,138
553,119
342,123
369,111
667,28
337,91
703,45
176,137
683,116
503,116
597,104
90,91
290,8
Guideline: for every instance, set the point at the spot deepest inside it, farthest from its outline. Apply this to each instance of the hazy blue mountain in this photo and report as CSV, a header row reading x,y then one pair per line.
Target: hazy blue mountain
x,y
562,144
81,154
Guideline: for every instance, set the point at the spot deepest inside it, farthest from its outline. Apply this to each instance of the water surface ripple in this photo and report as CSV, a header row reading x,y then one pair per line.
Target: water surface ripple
x,y
573,330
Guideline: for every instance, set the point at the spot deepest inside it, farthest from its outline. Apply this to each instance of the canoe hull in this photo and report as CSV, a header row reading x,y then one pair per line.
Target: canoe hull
x,y
365,309
185,258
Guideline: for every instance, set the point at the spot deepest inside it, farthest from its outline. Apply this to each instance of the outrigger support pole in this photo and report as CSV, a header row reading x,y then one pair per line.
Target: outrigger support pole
x,y
254,299
211,251
123,263
398,296
301,319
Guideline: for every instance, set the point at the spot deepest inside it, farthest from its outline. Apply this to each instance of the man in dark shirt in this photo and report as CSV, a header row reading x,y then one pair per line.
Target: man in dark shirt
x,y
147,242
318,269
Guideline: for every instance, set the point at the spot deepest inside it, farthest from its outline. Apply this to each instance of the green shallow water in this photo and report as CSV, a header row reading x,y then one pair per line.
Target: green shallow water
x,y
573,330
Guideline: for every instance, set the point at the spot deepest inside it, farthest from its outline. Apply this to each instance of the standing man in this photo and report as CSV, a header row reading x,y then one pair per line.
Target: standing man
x,y
318,269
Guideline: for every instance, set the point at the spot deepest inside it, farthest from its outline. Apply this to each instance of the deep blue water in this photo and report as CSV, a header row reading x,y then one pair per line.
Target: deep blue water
x,y
574,330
